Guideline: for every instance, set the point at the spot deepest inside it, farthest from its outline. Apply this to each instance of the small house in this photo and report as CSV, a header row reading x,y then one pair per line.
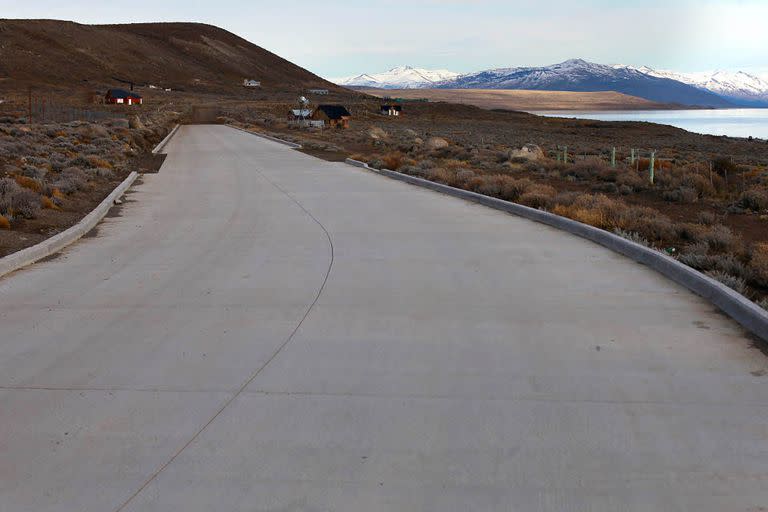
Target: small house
x,y
251,83
335,116
122,97
391,110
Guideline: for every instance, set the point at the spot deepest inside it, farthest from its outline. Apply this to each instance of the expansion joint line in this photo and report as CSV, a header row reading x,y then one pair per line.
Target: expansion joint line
x,y
258,370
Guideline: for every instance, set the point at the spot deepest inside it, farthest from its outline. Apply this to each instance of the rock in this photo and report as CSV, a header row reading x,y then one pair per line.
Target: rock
x,y
377,133
410,133
437,143
418,141
527,152
135,123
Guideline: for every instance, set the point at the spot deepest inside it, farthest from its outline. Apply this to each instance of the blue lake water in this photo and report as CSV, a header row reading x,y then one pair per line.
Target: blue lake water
x,y
739,122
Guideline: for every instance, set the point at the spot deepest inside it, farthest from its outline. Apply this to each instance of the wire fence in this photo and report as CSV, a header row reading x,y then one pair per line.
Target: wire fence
x,y
48,110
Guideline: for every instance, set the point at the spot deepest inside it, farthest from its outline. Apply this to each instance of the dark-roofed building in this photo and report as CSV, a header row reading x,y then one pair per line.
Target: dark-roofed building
x,y
335,116
122,97
391,110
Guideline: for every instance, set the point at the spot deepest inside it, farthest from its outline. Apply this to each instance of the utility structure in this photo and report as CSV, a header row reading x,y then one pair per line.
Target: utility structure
x,y
651,165
613,157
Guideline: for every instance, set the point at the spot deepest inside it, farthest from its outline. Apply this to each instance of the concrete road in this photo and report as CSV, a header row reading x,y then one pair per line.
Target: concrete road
x,y
258,330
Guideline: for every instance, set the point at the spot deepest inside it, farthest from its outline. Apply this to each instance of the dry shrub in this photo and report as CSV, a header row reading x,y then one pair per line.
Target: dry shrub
x,y
48,203
719,237
95,161
393,161
27,182
538,196
735,283
755,200
454,164
681,195
464,175
441,175
512,189
759,264
590,168
4,222
700,184
706,218
592,217
644,164
632,180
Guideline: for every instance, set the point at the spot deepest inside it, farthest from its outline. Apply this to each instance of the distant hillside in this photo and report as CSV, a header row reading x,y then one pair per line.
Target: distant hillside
x,y
524,100
582,76
190,56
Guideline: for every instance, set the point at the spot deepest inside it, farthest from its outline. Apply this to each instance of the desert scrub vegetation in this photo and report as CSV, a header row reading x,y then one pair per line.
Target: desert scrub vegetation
x,y
42,165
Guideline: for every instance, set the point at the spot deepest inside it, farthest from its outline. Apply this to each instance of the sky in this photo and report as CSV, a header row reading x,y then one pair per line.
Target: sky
x,y
336,38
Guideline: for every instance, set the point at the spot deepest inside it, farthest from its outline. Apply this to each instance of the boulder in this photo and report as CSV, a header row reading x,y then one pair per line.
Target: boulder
x,y
135,123
527,152
437,143
377,133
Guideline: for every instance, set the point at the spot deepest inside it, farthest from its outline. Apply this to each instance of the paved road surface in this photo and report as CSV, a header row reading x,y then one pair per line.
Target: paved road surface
x,y
258,330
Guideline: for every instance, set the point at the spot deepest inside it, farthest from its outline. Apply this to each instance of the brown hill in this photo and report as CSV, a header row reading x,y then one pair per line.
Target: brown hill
x,y
525,100
189,56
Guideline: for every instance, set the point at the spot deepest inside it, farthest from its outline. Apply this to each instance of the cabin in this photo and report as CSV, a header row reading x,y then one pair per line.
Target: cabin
x,y
320,92
335,116
391,110
122,97
251,83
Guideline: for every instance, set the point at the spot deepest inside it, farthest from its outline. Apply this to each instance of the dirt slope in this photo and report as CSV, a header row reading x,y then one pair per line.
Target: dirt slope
x,y
190,56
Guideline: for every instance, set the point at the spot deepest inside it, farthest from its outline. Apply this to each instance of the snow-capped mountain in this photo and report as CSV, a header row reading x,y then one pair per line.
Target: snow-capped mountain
x,y
739,87
401,77
580,75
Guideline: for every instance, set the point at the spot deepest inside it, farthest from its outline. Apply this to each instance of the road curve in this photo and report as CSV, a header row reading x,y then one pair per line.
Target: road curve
x,y
260,330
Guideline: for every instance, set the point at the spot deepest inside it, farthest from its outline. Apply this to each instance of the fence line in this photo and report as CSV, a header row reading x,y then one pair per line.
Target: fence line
x,y
41,109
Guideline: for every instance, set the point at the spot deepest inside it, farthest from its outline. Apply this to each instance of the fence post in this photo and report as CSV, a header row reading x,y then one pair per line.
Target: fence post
x,y
653,161
613,157
565,154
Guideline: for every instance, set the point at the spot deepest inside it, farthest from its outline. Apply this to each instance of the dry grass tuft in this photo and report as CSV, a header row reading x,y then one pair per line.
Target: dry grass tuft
x,y
47,203
27,182
393,161
4,222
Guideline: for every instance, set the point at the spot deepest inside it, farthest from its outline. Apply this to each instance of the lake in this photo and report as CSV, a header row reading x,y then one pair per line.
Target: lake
x,y
738,122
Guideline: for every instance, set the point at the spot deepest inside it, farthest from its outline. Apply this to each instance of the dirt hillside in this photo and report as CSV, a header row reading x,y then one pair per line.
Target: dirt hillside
x,y
525,100
185,56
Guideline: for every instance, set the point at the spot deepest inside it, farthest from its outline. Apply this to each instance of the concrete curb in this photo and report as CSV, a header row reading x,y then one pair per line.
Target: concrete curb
x,y
58,242
166,140
268,137
748,314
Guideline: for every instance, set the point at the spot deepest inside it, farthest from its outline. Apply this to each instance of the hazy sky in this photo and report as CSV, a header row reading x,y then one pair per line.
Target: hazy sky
x,y
337,38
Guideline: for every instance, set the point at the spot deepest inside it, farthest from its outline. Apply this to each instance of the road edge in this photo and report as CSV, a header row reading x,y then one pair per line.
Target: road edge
x,y
268,137
745,312
56,243
166,140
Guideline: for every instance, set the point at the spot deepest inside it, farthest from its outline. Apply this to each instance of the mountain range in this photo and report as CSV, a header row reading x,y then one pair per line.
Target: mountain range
x,y
401,77
718,89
